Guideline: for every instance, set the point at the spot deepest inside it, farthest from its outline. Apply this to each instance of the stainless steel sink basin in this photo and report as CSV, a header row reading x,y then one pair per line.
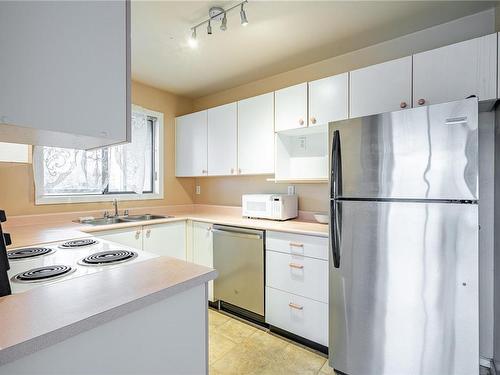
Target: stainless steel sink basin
x,y
103,221
122,219
144,217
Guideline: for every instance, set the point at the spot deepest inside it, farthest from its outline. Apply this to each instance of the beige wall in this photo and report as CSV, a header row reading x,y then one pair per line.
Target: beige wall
x,y
228,190
451,32
16,180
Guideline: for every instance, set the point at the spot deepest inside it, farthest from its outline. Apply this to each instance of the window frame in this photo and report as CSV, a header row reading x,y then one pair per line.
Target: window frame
x,y
158,169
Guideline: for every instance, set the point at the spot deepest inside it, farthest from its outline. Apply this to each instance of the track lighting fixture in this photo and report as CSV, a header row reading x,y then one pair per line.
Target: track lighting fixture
x,y
218,14
243,16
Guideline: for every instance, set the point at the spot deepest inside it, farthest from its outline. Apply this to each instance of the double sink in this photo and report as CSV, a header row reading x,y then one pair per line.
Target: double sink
x,y
122,219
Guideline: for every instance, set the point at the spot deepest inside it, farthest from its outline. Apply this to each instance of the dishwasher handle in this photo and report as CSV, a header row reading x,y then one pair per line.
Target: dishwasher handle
x,y
238,232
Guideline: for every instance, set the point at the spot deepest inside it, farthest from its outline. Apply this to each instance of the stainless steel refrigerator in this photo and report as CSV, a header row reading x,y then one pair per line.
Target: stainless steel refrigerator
x,y
404,242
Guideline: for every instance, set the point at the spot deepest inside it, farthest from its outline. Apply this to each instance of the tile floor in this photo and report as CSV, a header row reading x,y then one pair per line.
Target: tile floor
x,y
239,348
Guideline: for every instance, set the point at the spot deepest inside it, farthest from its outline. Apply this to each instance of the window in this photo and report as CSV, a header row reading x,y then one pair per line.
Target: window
x,y
128,171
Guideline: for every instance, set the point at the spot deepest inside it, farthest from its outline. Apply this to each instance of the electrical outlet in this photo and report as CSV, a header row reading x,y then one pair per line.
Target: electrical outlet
x,y
198,189
291,190
302,142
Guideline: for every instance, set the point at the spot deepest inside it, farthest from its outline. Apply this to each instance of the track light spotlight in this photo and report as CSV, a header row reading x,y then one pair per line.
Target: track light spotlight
x,y
193,42
243,15
223,25
209,28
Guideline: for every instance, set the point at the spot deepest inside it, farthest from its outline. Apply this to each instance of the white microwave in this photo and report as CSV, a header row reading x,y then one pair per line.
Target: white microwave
x,y
270,206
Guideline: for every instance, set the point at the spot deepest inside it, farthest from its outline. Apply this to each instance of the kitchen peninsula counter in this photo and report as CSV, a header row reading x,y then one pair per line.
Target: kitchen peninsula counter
x,y
35,321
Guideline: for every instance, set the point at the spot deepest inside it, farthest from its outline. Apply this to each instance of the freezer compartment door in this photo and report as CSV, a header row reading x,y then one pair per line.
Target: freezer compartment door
x,y
421,153
404,298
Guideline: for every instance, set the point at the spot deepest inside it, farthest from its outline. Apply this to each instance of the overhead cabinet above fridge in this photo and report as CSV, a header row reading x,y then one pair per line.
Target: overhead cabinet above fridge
x,y
65,73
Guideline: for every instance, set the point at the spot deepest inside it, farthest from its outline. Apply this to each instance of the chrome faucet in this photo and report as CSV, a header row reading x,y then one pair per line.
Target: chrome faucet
x,y
115,205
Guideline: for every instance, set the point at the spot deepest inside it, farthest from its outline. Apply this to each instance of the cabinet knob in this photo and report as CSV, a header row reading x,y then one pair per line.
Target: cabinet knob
x,y
421,101
137,234
313,120
232,170
403,105
239,170
203,171
148,233
301,122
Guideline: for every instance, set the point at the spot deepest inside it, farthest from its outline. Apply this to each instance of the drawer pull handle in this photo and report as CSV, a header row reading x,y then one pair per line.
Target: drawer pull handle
x,y
295,265
295,306
296,244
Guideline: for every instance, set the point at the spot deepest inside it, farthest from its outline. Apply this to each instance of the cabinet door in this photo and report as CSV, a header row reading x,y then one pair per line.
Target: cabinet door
x,y
191,145
328,99
222,140
203,249
65,73
456,72
166,239
256,135
131,237
381,88
290,107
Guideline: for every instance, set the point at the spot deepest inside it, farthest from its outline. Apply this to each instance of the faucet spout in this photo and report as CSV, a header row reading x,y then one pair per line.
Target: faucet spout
x,y
115,205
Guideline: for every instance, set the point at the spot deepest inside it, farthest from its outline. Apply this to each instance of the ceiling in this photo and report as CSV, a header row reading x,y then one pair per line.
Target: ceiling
x,y
281,35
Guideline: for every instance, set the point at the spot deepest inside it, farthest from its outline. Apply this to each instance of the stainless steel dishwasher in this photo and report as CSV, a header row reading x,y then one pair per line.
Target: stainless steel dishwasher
x,y
239,259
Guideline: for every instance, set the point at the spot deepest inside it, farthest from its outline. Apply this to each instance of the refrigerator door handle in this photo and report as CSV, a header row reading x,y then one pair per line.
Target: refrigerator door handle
x,y
335,233
336,167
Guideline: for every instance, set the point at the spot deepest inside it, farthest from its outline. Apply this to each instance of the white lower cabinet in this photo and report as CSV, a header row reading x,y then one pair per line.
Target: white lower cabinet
x,y
297,244
203,252
296,314
166,239
297,284
297,274
163,239
131,237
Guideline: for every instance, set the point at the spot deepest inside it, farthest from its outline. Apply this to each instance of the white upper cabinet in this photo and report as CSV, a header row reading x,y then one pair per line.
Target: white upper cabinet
x,y
65,73
191,145
222,140
291,107
328,99
455,72
381,88
256,135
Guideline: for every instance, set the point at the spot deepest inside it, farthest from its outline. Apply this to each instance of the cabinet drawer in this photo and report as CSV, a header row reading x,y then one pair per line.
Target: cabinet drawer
x,y
298,315
298,244
307,277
